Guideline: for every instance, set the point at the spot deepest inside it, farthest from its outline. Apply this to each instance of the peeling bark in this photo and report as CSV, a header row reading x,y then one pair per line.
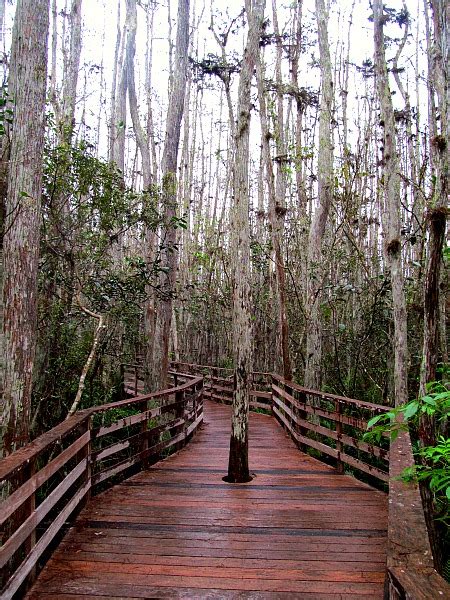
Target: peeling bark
x,y
391,213
238,470
164,304
27,86
315,273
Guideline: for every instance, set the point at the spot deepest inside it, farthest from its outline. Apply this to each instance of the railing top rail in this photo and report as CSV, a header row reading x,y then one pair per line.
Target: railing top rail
x,y
144,397
12,463
326,395
229,369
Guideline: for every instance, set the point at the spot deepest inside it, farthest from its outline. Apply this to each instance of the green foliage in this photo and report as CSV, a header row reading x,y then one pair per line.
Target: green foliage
x,y
436,403
433,461
6,112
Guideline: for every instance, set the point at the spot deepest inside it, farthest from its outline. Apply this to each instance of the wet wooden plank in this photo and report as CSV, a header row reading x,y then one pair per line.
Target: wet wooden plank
x,y
297,530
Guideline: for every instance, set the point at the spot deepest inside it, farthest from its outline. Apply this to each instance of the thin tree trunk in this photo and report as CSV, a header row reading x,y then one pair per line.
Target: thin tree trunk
x,y
71,68
276,229
238,470
316,268
28,82
98,334
160,358
391,191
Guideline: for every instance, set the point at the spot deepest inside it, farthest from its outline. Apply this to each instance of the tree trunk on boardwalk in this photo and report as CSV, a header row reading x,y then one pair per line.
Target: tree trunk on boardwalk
x,y
238,470
315,274
391,212
28,78
164,304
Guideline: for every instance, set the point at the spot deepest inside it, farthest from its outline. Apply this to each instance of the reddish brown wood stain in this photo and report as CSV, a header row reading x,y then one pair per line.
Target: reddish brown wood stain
x,y
298,530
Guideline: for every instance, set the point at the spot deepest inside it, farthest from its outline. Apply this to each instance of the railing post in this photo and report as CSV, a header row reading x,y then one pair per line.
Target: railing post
x,y
339,445
122,379
180,404
85,454
144,444
289,391
28,508
135,380
272,383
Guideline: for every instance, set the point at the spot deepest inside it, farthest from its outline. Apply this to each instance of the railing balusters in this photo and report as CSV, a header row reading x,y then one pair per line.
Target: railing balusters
x,y
95,456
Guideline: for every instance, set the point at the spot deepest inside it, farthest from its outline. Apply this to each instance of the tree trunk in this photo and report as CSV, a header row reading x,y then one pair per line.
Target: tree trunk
x,y
71,68
27,85
238,470
276,207
164,304
315,274
391,191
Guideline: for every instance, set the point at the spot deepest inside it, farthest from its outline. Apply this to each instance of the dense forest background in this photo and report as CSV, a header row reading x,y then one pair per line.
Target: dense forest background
x,y
131,235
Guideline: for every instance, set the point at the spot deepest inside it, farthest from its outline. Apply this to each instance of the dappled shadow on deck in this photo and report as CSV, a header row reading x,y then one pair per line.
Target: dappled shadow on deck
x,y
298,530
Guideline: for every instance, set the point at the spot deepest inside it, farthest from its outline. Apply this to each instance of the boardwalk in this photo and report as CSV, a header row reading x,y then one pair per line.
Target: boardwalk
x,y
297,530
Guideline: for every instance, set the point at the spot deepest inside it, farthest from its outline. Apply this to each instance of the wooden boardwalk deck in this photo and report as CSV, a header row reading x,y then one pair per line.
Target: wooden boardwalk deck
x,y
298,530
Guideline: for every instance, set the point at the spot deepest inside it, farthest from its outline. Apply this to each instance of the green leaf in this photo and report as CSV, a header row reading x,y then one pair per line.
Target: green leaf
x,y
374,420
411,409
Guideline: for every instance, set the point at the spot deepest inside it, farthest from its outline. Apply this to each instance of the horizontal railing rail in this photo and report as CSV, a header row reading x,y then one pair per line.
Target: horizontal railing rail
x,y
332,425
46,482
219,384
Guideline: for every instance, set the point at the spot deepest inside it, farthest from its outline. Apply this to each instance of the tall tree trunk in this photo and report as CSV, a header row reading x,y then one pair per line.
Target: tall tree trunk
x,y
276,206
71,68
316,268
438,82
27,85
238,470
391,191
160,359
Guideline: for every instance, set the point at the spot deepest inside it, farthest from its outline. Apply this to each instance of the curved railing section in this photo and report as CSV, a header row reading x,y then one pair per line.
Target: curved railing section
x,y
49,480
331,425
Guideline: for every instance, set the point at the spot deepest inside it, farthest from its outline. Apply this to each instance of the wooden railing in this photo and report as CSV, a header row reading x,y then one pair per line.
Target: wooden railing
x,y
219,384
331,425
46,482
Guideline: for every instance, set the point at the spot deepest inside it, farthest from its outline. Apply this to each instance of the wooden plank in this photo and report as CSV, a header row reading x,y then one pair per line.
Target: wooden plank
x,y
321,412
17,498
333,397
9,465
30,561
409,558
305,440
366,468
346,439
260,394
30,524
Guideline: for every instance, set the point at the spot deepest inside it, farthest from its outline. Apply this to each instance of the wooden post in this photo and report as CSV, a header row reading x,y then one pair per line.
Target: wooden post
x,y
180,408
290,392
135,380
339,445
28,508
144,443
122,380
